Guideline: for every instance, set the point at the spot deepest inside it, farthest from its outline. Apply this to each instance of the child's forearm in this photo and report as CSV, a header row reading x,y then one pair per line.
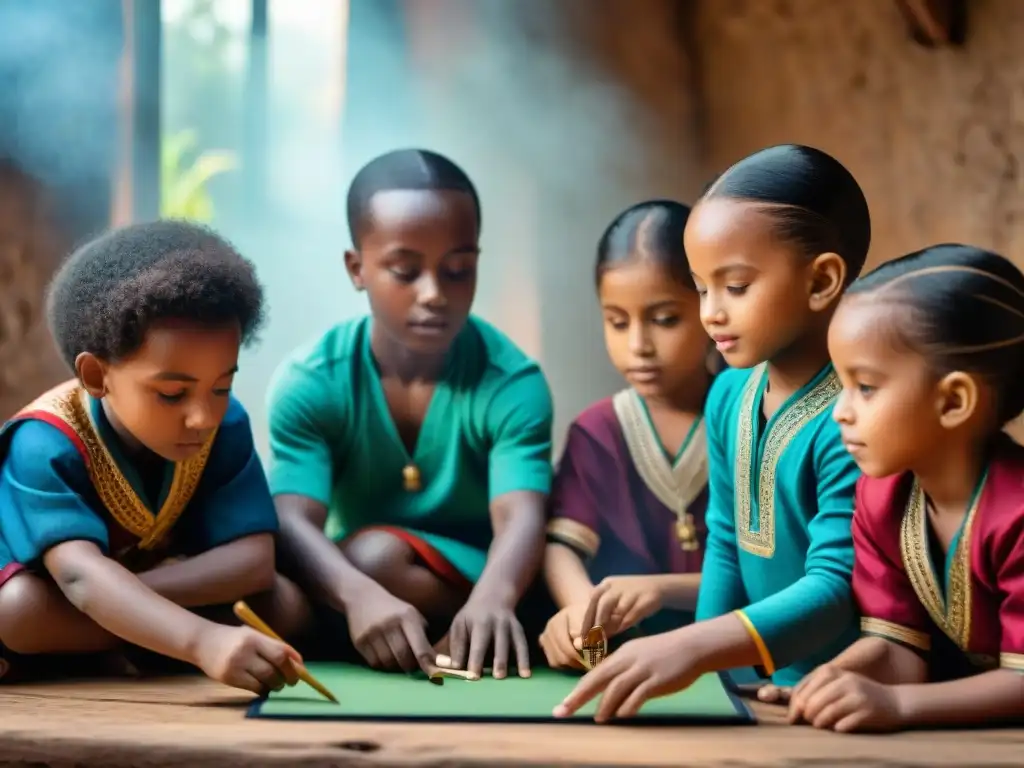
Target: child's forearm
x,y
516,551
678,590
566,576
321,568
119,602
884,661
986,698
722,643
220,576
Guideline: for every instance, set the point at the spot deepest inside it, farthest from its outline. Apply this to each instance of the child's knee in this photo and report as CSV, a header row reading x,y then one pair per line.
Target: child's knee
x,y
377,554
22,598
284,607
291,608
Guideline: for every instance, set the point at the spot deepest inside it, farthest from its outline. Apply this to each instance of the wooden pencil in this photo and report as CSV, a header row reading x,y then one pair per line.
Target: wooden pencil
x,y
246,615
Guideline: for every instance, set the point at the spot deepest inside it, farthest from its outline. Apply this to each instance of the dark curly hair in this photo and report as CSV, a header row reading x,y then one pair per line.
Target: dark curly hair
x,y
109,292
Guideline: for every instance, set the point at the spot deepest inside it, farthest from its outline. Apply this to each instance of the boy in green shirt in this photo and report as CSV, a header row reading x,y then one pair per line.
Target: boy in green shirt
x,y
411,449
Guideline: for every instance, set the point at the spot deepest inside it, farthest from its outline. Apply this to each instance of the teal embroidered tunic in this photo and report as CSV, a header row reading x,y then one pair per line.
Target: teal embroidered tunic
x,y
780,548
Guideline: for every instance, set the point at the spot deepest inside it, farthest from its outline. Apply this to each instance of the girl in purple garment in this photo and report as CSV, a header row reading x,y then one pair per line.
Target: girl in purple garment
x,y
627,505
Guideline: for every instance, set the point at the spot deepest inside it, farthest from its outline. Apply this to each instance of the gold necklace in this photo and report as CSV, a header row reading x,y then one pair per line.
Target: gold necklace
x,y
411,477
686,532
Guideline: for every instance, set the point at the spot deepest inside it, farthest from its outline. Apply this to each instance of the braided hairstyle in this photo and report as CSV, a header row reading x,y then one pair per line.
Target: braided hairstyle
x,y
815,202
650,231
965,312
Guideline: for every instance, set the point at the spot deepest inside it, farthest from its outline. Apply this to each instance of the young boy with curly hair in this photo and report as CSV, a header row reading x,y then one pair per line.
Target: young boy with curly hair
x,y
132,500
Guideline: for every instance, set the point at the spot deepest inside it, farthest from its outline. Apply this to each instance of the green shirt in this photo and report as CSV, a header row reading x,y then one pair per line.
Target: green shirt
x,y
779,517
486,432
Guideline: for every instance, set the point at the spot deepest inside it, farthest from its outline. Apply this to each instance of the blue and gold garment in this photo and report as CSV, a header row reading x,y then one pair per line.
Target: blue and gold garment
x,y
64,476
780,548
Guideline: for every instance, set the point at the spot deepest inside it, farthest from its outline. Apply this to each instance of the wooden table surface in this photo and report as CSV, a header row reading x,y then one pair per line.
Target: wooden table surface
x,y
195,722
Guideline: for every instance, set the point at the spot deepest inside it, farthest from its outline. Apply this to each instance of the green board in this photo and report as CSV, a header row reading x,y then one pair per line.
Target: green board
x,y
365,694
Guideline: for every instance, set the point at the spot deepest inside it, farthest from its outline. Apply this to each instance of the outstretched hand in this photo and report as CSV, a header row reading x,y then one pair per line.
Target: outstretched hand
x,y
640,670
479,625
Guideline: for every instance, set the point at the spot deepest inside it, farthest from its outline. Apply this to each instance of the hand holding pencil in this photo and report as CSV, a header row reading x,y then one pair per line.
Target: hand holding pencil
x,y
286,661
243,658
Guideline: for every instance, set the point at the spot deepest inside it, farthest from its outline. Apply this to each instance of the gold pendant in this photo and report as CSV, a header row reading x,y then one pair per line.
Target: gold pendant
x,y
594,647
411,477
686,532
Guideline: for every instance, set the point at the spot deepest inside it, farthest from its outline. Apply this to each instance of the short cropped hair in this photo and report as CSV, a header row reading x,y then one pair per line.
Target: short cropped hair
x,y
404,169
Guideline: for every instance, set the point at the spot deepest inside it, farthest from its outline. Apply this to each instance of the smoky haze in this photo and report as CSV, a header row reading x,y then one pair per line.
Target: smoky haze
x,y
555,143
58,116
545,105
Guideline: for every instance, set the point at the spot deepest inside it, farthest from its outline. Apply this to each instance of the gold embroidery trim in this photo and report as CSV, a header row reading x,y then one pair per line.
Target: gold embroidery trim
x,y
781,432
1014,661
892,631
762,648
676,486
575,534
952,616
69,403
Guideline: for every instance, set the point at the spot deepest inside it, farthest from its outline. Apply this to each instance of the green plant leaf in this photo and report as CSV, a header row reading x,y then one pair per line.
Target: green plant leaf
x,y
185,188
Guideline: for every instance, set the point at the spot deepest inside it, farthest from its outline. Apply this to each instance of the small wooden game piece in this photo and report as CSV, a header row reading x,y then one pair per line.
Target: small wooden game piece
x,y
411,477
246,616
444,661
460,674
594,648
445,668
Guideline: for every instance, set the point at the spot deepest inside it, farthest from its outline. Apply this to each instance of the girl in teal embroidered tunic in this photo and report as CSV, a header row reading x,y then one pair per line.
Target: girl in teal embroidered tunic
x,y
772,244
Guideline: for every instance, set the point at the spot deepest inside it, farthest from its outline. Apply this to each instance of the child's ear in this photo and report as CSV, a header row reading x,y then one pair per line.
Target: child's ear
x,y
92,373
827,278
957,399
354,267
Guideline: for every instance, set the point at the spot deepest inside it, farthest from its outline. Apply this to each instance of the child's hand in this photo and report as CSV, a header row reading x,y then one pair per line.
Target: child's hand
x,y
640,670
774,694
834,699
618,603
557,638
390,633
481,623
243,658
